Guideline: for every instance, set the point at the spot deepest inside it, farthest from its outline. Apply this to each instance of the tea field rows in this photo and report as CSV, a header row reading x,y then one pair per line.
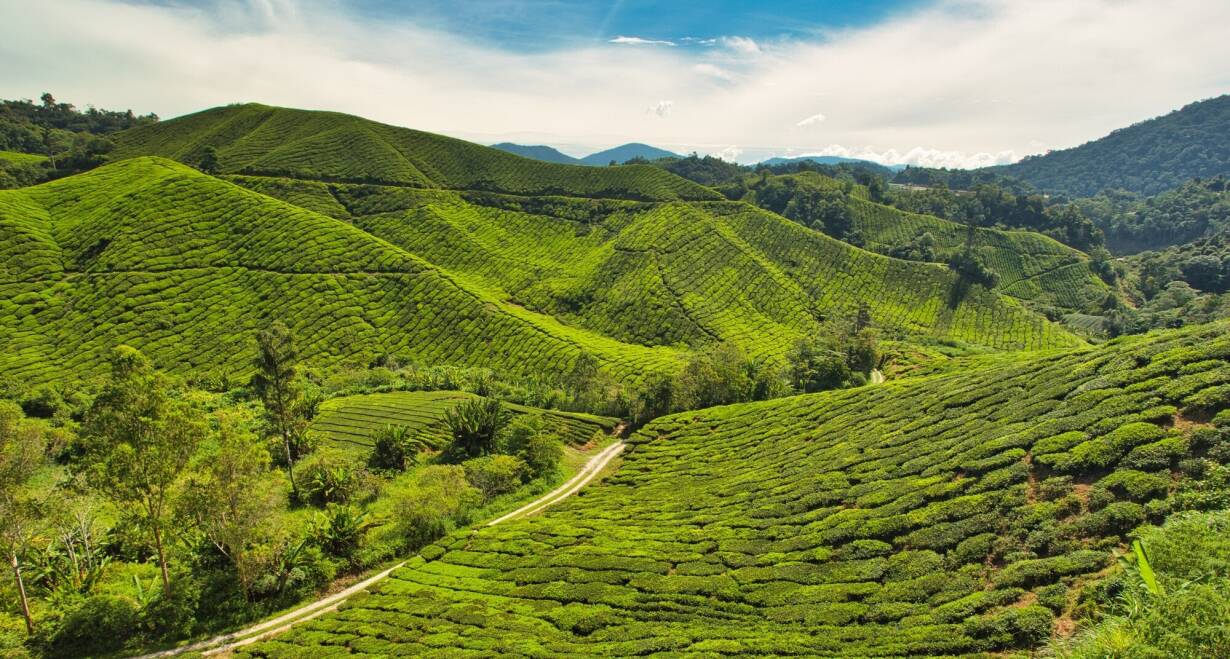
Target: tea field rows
x,y
947,514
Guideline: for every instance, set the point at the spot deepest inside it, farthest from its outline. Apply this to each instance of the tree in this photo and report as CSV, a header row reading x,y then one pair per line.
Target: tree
x,y
718,375
209,160
138,441
277,386
22,454
231,498
817,364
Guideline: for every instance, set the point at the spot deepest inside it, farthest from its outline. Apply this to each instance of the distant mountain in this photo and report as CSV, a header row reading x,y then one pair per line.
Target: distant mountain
x,y
832,160
1149,157
537,152
626,152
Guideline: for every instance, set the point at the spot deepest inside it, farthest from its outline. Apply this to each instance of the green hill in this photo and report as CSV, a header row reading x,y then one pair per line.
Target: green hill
x,y
941,515
187,267
1147,157
671,273
257,139
1031,267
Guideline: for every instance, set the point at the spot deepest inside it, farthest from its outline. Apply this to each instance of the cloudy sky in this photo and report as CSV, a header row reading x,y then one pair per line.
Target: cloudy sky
x,y
934,82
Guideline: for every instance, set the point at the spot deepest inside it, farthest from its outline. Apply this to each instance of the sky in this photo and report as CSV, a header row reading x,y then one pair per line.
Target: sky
x,y
956,83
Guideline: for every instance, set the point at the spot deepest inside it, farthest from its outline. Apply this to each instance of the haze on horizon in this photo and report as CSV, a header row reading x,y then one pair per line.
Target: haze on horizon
x,y
958,83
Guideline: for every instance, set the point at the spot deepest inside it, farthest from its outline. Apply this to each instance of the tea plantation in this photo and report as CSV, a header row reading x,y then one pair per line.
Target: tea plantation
x,y
350,422
936,515
258,139
186,267
1031,267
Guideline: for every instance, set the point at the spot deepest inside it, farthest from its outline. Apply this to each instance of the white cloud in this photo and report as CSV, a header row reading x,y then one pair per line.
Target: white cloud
x,y
921,156
958,81
661,108
637,41
713,70
729,154
741,45
811,121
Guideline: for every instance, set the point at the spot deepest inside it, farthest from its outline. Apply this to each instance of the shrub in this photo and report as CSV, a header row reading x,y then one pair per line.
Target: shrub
x,y
101,625
429,507
494,475
474,425
395,448
1136,485
329,477
1013,627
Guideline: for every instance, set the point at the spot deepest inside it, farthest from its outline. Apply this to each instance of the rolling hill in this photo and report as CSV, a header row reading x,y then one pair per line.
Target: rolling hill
x,y
943,515
187,267
537,152
883,170
1149,157
625,152
1031,267
258,139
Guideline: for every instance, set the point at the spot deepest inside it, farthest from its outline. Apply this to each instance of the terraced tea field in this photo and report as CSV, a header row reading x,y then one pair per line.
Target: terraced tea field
x,y
672,274
258,139
1031,266
934,515
349,422
187,267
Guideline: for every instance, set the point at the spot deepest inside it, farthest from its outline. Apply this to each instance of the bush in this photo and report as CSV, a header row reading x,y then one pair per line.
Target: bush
x,y
101,625
1012,628
1136,485
329,477
395,448
494,475
429,507
474,425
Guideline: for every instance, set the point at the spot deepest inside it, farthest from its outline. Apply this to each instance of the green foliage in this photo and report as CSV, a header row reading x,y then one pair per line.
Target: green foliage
x,y
101,625
1147,157
494,475
474,425
432,504
890,520
396,448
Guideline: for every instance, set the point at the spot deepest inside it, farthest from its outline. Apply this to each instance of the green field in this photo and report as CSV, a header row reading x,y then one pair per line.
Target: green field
x,y
936,515
15,158
349,422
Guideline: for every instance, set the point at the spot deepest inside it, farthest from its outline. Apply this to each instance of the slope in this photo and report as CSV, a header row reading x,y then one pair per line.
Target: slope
x,y
625,152
930,516
537,152
258,139
1148,157
1031,267
187,267
673,274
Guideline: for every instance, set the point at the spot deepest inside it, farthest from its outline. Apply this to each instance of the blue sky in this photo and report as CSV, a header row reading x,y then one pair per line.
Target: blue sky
x,y
958,83
535,25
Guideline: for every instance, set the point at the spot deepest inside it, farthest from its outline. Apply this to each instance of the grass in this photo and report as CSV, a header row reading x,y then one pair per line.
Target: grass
x,y
349,422
17,158
932,515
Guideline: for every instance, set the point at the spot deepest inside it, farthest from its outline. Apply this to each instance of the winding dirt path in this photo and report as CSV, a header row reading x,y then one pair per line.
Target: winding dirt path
x,y
273,627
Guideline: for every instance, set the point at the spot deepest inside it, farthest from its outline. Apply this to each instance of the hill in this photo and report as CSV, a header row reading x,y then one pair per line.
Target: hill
x,y
672,274
625,152
539,152
882,170
1147,158
187,267
942,515
258,139
1029,266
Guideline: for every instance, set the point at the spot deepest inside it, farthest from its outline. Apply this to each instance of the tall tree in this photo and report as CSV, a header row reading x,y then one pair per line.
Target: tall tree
x,y
277,385
232,497
22,453
138,441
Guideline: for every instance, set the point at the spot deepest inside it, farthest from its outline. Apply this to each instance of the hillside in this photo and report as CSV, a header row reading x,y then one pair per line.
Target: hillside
x,y
625,152
933,516
187,267
1149,157
882,170
537,152
1030,267
258,139
673,274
